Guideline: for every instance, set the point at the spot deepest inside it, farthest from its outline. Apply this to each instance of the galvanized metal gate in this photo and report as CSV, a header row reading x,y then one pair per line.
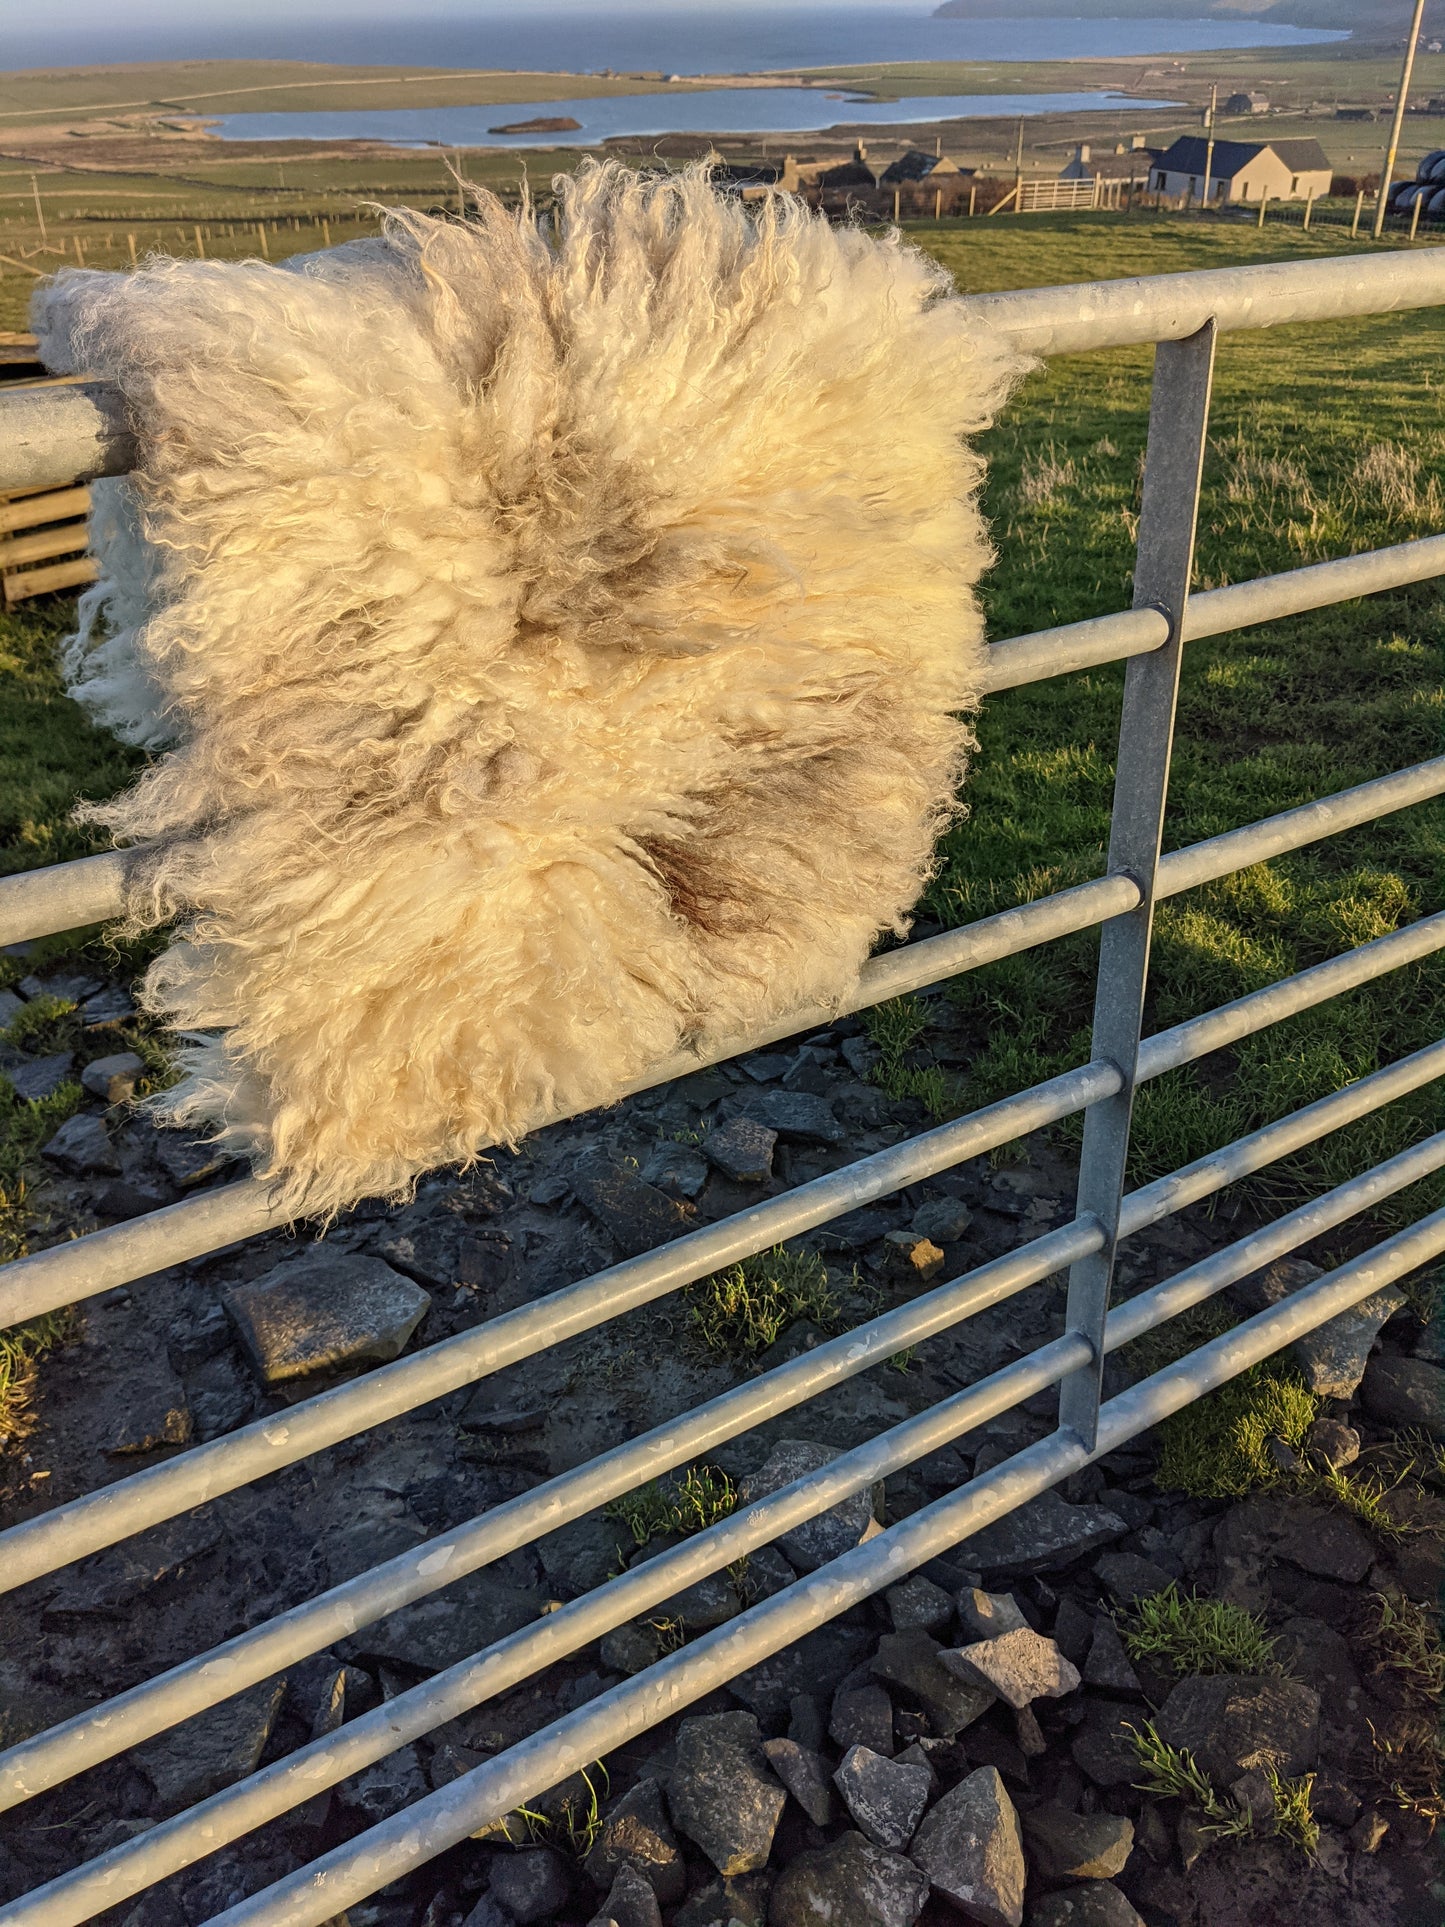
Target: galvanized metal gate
x,y
74,433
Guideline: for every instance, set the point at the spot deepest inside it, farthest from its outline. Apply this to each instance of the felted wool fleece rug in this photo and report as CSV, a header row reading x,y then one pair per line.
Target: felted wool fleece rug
x,y
554,636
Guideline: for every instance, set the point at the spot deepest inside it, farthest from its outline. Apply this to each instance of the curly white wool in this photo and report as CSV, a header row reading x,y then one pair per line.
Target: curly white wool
x,y
557,640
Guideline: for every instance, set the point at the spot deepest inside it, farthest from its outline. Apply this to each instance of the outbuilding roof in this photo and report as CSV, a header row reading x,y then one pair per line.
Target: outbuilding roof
x,y
1187,156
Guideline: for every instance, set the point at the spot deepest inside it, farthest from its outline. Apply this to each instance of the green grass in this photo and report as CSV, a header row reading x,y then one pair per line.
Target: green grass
x,y
738,1313
1216,1448
687,1504
21,1349
1172,1773
1188,1635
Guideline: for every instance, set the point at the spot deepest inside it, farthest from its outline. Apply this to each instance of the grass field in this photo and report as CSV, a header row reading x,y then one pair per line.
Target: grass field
x,y
1325,440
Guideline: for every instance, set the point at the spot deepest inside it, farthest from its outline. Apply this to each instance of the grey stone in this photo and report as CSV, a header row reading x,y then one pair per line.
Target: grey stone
x,y
1231,1724
1405,1392
812,1665
1042,1536
765,1067
1073,1629
10,1008
676,1169
862,1716
793,1114
1019,1667
1129,1577
34,1078
120,1199
1333,1443
1273,1282
637,1834
70,988
768,1572
742,1149
531,1884
1103,1744
486,1913
187,1161
425,1245
324,1310
109,1006
984,1615
849,1883
854,1230
82,1148
909,1257
113,1079
944,1220
805,1774
722,1795
1268,1527
1076,1846
1333,1357
707,1602
630,1903
116,1582
385,1787
918,1602
1097,1903
635,1215
1108,1665
631,1648
972,1851
910,1663
885,1798
831,1533
741,1901
806,1724
436,1631
212,1750
155,1411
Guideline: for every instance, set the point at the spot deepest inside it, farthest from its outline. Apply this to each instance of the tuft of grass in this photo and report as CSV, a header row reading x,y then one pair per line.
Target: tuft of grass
x,y
1404,1639
1191,1634
895,1028
738,1313
25,1124
575,1826
21,1349
692,1503
1173,1773
46,1024
1364,1495
1216,1448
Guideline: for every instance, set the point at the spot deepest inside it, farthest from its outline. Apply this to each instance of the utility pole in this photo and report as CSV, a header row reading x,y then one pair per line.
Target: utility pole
x,y
1383,198
1209,144
39,211
1019,170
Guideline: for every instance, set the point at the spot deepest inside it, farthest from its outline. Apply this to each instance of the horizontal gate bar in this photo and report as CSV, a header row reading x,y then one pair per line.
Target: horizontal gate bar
x,y
1015,660
103,1731
82,1268
116,1511
349,1873
50,437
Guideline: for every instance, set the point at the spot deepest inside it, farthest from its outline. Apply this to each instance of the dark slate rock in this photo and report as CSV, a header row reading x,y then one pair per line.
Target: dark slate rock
x,y
1097,1903
636,1216
385,1787
741,1901
1333,1356
187,1161
70,988
531,1884
676,1169
1405,1392
812,1665
109,1006
972,1851
1073,1630
768,1573
37,1077
855,1230
1076,1846
805,1774
1042,1536
850,1883
1103,1744
797,1115
722,1794
114,1583
637,1833
121,1199
831,1533
918,1602
1265,1528
909,1663
424,1245
629,1903
1108,1664
885,1798
113,1079
1332,1443
742,1149
1019,1667
1232,1724
155,1411
944,1220
10,1008
707,1602
862,1716
1128,1577
765,1067
806,1724
324,1310
82,1147
984,1615
212,1750
437,1631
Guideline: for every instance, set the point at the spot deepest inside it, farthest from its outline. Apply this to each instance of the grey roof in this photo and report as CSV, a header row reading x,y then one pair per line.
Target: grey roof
x,y
1187,154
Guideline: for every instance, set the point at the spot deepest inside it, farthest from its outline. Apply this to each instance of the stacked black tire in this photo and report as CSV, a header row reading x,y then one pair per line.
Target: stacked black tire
x,y
1428,187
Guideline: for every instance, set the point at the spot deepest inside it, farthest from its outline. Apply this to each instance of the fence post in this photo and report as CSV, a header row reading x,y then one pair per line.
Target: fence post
x,y
1415,214
1263,204
1359,204
1309,210
1178,425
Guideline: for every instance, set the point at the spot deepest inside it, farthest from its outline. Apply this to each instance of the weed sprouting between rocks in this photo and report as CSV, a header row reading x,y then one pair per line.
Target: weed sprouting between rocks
x,y
739,1312
1173,1773
1190,1635
687,1504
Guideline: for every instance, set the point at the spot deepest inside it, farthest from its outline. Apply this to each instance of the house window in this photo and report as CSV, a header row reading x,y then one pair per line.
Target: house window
x,y
1294,185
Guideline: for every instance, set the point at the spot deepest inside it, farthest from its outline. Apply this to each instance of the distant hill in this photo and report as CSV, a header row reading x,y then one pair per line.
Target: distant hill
x,y
1383,16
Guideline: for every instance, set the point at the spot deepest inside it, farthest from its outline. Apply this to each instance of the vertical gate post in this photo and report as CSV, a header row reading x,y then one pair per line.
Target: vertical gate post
x,y
1178,424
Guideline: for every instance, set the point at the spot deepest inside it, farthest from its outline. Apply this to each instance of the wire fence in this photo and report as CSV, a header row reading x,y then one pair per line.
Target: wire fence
x,y
59,436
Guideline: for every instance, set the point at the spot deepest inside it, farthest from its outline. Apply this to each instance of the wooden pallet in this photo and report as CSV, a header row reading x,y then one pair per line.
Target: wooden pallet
x,y
43,536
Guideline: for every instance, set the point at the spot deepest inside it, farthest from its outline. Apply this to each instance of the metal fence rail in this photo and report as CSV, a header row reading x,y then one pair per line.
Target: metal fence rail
x,y
77,432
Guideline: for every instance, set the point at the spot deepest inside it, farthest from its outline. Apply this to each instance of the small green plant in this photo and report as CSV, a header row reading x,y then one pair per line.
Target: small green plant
x,y
1217,1448
1193,1635
690,1504
25,1124
738,1313
1173,1773
45,1024
903,1361
21,1348
1405,1638
1364,1495
575,1826
896,1026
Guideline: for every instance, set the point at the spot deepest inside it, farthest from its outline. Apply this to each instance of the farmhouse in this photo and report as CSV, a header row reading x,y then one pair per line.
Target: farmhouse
x,y
915,165
1247,104
1131,164
1243,170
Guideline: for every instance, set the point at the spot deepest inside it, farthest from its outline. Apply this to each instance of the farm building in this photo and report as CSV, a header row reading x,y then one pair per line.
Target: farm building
x,y
915,165
1247,104
1131,164
1243,170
